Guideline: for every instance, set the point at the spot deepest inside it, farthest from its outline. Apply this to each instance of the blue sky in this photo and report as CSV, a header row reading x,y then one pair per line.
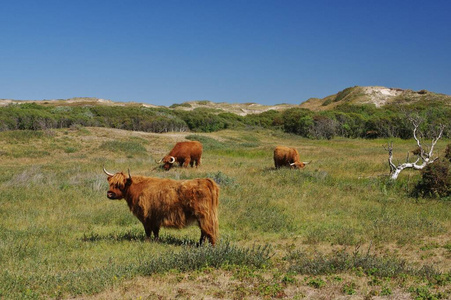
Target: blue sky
x,y
268,52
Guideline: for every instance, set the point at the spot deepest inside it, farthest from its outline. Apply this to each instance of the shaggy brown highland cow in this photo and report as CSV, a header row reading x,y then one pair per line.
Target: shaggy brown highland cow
x,y
158,202
287,157
183,153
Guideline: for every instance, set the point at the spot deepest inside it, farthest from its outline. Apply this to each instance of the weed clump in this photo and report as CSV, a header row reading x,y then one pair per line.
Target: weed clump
x,y
436,178
342,261
222,255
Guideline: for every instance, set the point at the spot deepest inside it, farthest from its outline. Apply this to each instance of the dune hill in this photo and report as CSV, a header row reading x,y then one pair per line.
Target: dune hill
x,y
358,95
375,95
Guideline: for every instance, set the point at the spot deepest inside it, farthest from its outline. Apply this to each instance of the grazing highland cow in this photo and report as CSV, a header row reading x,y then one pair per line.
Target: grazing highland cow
x,y
158,202
183,153
287,157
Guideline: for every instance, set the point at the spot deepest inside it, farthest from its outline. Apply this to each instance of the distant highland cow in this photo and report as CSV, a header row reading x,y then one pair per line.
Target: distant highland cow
x,y
183,153
287,157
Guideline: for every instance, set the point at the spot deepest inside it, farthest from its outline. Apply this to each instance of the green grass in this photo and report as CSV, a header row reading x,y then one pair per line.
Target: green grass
x,y
61,237
128,147
21,136
208,143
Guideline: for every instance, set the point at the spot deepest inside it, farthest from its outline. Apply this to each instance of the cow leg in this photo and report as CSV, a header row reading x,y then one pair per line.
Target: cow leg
x,y
156,231
148,230
202,237
181,162
198,162
186,162
151,228
206,232
212,240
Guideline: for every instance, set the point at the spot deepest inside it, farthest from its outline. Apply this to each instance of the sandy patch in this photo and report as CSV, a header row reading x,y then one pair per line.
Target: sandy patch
x,y
380,96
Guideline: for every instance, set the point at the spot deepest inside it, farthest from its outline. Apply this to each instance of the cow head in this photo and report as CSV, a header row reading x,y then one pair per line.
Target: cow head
x,y
297,165
119,184
168,161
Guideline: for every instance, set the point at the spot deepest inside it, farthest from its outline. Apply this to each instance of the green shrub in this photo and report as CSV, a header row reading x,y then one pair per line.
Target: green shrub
x,y
448,152
298,121
349,288
184,104
316,283
202,120
267,119
435,180
422,293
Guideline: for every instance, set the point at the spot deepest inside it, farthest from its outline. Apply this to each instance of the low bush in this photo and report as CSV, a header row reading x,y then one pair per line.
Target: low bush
x,y
223,254
435,179
342,261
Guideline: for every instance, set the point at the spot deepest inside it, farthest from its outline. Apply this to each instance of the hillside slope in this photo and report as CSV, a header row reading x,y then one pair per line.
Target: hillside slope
x,y
376,95
241,109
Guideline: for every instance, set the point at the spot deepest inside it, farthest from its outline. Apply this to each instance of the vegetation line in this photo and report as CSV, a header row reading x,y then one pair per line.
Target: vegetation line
x,y
345,120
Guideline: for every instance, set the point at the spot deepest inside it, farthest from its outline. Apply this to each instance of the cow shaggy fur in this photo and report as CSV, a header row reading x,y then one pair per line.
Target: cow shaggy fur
x,y
158,202
184,153
287,157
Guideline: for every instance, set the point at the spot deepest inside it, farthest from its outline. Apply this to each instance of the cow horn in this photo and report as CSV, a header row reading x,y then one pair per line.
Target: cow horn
x,y
172,160
129,175
292,164
108,173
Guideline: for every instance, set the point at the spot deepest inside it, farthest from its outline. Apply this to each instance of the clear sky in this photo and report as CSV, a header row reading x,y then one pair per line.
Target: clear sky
x,y
264,51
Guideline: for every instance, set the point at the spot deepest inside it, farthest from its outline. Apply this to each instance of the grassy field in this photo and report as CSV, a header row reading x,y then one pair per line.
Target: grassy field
x,y
338,228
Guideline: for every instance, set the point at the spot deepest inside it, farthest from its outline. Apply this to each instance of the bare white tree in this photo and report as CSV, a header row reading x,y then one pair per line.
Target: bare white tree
x,y
424,156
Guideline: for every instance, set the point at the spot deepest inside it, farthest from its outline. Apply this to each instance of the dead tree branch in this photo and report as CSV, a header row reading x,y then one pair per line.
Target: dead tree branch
x,y
424,157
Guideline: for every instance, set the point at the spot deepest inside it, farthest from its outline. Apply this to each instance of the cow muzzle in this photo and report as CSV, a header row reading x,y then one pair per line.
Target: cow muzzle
x,y
111,195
